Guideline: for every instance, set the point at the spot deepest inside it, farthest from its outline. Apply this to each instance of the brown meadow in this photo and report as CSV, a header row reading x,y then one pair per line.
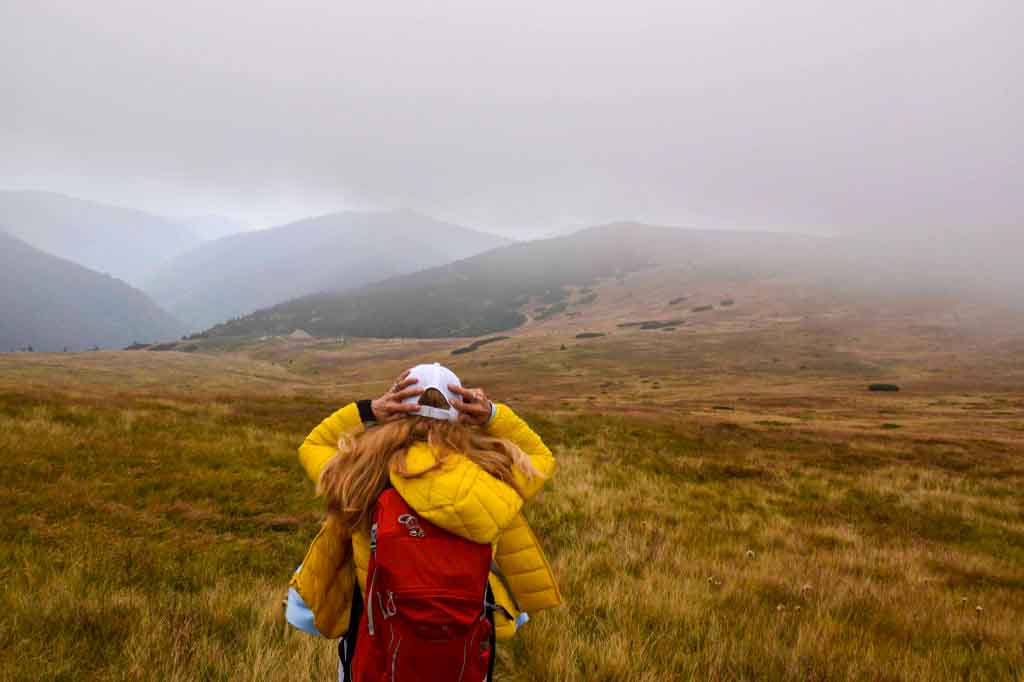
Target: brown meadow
x,y
715,516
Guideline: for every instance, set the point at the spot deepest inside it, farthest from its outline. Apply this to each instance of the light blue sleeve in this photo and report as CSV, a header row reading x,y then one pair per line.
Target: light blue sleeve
x,y
298,614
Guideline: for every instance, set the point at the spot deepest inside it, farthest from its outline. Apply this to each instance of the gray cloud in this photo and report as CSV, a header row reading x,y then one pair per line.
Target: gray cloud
x,y
528,117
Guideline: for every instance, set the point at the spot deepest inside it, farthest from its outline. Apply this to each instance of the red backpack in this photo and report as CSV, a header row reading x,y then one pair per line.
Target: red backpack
x,y
425,617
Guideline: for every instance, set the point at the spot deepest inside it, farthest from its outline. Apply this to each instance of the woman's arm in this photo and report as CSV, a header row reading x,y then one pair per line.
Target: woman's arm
x,y
322,443
500,421
510,426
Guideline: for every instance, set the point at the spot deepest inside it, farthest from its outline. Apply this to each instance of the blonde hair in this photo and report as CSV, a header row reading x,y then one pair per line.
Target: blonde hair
x,y
359,472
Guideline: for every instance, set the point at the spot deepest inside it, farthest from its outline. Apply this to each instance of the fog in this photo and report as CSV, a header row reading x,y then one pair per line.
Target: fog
x,y
527,118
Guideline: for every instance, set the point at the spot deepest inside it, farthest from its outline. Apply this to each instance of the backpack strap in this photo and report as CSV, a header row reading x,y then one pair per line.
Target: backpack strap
x,y
496,570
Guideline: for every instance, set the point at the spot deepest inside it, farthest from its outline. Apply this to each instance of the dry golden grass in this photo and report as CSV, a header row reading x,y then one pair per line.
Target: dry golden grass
x,y
730,554
715,516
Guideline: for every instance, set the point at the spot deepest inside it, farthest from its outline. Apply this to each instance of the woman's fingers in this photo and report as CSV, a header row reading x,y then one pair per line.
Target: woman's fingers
x,y
406,392
459,390
390,405
474,408
403,407
389,410
471,408
404,383
401,382
469,395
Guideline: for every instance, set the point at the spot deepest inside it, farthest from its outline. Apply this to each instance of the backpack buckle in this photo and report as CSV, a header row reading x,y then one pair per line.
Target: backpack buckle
x,y
412,524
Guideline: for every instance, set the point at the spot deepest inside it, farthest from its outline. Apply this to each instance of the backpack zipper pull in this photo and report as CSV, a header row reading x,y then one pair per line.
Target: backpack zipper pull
x,y
369,587
369,606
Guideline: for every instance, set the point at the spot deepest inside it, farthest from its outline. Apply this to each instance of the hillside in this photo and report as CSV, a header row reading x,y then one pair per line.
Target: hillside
x,y
123,242
981,261
503,288
50,303
248,271
556,280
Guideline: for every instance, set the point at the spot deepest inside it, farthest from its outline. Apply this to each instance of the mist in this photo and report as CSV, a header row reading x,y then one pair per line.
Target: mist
x,y
528,118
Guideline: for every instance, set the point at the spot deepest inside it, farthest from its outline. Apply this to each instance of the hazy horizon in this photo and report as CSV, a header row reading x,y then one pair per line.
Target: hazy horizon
x,y
524,120
212,226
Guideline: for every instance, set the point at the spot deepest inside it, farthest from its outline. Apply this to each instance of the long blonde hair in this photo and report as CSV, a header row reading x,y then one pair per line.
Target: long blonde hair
x,y
359,472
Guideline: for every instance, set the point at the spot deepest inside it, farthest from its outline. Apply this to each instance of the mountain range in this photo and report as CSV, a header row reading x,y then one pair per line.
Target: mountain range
x,y
51,304
403,274
487,293
505,287
245,272
122,242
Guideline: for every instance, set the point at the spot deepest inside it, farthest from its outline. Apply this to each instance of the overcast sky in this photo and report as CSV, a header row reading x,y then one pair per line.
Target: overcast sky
x,y
528,116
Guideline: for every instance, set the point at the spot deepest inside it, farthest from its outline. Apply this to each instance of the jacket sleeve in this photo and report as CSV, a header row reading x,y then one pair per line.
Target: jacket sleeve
x,y
327,578
508,425
322,443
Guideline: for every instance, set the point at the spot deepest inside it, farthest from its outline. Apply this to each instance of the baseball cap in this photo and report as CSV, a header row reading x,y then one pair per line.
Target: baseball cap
x,y
438,377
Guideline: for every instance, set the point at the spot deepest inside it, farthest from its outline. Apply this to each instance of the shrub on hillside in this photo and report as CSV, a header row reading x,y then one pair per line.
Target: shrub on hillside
x,y
477,344
884,388
651,324
662,324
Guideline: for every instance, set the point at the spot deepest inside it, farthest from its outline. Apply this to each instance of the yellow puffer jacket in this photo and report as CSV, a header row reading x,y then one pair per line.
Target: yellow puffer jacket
x,y
459,497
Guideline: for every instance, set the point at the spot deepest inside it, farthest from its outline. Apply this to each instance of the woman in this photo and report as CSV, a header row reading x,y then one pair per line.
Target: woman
x,y
461,463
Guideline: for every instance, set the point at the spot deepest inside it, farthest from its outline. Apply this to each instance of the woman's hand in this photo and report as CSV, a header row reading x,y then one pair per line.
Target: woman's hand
x,y
389,406
474,408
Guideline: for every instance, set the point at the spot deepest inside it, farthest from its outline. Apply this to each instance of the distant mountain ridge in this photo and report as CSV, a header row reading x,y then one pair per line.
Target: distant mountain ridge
x,y
123,242
50,303
210,226
244,272
484,294
489,293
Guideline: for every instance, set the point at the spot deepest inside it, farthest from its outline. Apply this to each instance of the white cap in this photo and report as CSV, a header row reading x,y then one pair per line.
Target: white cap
x,y
438,377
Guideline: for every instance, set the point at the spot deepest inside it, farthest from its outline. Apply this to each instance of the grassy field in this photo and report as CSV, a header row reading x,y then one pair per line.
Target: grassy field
x,y
731,504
